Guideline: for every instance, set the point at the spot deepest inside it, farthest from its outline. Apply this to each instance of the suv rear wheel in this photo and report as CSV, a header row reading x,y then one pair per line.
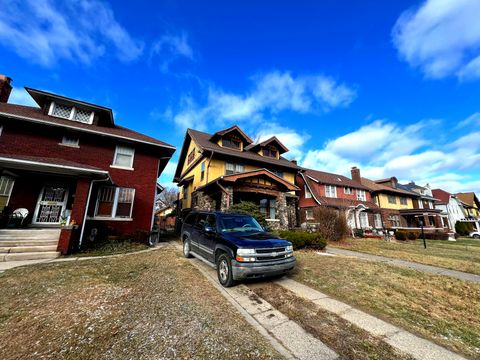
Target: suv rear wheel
x,y
186,248
224,270
476,236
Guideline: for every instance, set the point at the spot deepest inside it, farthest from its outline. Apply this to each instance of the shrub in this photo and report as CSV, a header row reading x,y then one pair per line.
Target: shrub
x,y
332,224
463,228
401,235
359,233
413,235
301,239
249,208
437,235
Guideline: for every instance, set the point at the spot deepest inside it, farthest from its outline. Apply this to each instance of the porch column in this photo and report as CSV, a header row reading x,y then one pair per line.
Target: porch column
x,y
438,221
69,234
282,213
227,198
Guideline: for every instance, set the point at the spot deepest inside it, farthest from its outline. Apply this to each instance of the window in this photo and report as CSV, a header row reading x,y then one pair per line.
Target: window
x,y
378,221
231,168
71,113
308,194
190,219
348,190
270,152
403,200
123,157
191,156
202,171
185,192
70,141
231,142
331,191
6,186
420,204
309,214
200,223
363,217
395,220
115,202
392,199
361,195
268,208
279,173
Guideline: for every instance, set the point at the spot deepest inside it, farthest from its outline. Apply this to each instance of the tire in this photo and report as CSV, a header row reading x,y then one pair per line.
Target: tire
x,y
224,270
186,248
476,236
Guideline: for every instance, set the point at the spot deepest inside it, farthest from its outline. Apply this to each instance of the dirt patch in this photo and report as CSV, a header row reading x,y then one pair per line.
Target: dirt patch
x,y
144,306
349,341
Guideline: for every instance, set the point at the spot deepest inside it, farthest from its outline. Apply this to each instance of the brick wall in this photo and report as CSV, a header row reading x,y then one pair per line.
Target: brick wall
x,y
38,140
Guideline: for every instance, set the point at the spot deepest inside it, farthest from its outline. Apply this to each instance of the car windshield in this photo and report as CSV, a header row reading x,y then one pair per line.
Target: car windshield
x,y
239,223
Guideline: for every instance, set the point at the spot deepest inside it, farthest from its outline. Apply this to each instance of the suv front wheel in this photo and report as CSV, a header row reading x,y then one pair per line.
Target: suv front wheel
x,y
224,270
186,248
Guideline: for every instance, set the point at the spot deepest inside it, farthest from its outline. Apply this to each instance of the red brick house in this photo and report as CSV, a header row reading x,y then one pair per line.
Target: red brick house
x,y
73,168
322,189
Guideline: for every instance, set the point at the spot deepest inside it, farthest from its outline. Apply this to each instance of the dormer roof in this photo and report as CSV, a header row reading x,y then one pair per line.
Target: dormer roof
x,y
271,141
233,129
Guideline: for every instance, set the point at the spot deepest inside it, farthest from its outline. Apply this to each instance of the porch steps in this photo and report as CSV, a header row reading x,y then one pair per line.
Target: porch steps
x,y
28,244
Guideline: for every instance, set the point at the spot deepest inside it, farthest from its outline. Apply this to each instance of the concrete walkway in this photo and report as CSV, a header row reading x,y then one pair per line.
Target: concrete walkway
x,y
6,265
408,264
398,338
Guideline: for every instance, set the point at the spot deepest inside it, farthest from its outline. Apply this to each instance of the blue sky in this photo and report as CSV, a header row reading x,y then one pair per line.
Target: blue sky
x,y
390,87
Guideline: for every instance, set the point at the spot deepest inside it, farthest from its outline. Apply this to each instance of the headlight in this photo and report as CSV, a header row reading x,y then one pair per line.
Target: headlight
x,y
242,252
289,248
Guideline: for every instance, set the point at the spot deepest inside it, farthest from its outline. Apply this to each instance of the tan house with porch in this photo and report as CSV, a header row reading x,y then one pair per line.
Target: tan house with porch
x,y
217,170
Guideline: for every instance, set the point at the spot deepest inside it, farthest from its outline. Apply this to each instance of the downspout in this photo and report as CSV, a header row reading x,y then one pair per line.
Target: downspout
x,y
86,207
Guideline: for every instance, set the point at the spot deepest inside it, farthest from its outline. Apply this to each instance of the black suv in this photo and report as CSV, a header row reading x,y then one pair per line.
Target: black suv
x,y
237,244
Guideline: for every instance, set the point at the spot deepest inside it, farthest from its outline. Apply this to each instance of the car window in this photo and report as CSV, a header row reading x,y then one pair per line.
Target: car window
x,y
190,219
239,223
210,222
200,223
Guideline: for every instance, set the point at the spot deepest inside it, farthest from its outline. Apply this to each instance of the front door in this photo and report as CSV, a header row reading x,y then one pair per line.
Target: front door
x,y
51,204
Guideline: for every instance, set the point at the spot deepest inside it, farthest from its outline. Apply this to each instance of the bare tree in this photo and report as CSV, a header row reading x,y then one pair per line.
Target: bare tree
x,y
167,197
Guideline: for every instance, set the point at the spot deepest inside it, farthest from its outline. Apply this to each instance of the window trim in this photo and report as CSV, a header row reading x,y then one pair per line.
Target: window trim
x,y
69,145
349,192
115,157
361,192
309,217
202,170
308,193
235,165
114,205
9,195
73,112
390,197
327,193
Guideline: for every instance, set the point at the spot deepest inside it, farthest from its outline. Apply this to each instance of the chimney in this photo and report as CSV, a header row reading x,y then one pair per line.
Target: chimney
x,y
5,88
356,174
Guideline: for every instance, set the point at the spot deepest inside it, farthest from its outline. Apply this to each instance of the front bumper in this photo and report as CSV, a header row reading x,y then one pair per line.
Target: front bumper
x,y
241,271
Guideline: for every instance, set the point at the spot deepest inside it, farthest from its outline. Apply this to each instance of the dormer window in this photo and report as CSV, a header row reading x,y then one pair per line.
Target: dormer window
x,y
70,113
232,142
270,151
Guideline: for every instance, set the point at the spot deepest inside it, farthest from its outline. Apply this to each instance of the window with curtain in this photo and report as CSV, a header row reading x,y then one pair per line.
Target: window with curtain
x,y
124,156
115,202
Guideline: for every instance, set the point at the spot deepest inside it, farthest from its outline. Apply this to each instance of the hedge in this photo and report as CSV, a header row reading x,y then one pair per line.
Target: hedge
x,y
301,239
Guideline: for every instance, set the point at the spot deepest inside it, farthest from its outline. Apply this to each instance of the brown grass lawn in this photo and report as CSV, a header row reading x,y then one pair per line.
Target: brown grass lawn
x,y
146,306
440,308
462,255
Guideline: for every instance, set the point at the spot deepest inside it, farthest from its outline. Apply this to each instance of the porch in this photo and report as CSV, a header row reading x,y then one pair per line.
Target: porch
x,y
430,219
52,194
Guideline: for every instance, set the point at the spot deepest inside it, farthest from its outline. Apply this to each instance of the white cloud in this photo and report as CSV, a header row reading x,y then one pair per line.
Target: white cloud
x,y
21,97
46,31
441,37
171,47
272,93
383,149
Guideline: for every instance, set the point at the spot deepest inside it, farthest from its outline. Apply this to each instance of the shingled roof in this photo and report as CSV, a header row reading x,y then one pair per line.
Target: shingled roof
x,y
333,179
376,187
36,115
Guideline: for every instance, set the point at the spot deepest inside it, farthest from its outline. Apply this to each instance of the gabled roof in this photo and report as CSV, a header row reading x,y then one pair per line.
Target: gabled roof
x,y
36,115
282,148
233,128
442,196
203,141
333,179
469,198
380,187
258,172
410,187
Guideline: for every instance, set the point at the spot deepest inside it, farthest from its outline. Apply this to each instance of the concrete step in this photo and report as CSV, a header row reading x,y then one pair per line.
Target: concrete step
x,y
28,234
27,249
12,243
30,256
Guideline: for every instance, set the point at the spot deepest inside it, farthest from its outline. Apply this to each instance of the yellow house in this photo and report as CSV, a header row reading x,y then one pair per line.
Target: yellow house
x,y
471,204
217,170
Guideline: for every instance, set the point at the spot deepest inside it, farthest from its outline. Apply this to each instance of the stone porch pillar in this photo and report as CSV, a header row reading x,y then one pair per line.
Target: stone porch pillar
x,y
226,198
282,211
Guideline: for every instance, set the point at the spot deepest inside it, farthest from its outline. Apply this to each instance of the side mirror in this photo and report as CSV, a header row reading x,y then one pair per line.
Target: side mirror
x,y
209,230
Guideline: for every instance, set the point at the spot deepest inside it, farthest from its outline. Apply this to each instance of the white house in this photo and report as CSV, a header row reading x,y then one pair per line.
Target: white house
x,y
450,205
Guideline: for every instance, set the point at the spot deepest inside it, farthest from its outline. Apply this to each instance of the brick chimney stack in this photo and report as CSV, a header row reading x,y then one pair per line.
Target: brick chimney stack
x,y
5,88
356,174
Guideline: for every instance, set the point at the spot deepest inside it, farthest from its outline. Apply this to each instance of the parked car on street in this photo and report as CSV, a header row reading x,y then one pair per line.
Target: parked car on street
x,y
475,235
237,245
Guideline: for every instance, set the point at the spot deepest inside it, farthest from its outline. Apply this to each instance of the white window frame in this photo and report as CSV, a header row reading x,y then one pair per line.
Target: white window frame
x,y
328,191
73,111
307,216
65,143
237,168
9,193
347,190
361,195
377,219
308,194
115,158
114,206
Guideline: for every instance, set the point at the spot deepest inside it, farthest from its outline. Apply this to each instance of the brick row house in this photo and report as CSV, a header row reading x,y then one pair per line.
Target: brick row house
x,y
72,167
217,170
322,189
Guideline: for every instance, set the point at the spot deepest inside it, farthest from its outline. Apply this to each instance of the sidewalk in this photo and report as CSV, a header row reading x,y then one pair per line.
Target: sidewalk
x,y
408,264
